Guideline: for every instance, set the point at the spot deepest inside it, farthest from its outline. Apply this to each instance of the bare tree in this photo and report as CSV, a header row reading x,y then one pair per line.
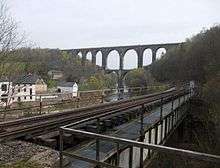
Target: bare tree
x,y
10,38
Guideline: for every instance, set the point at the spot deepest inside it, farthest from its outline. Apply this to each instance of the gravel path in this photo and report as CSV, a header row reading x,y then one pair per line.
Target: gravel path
x,y
13,151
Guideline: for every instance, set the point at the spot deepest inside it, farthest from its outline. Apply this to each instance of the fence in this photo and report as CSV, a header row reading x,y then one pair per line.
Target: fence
x,y
43,104
49,103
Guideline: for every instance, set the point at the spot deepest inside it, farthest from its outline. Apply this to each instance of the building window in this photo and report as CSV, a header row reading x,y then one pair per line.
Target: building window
x,y
4,87
19,99
19,90
25,98
4,99
30,93
25,89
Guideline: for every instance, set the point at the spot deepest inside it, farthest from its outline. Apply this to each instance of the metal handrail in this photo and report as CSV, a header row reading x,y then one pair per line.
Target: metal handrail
x,y
71,129
159,148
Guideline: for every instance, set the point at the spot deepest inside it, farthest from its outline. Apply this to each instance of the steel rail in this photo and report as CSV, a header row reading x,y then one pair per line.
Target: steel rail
x,y
67,112
62,119
55,123
137,104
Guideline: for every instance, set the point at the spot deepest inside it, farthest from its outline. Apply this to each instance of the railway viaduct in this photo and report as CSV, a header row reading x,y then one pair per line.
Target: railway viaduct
x,y
121,50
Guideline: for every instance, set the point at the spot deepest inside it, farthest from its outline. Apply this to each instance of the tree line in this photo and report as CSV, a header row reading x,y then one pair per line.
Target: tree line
x,y
197,59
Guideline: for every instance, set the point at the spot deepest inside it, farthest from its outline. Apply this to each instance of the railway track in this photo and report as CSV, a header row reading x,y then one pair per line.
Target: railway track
x,y
46,123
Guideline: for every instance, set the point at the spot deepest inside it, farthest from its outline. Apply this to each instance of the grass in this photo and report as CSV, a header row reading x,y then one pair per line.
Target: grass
x,y
21,164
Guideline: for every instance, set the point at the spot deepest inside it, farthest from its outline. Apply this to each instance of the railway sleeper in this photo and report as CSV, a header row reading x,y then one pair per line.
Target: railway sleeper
x,y
52,143
69,139
108,123
48,135
52,139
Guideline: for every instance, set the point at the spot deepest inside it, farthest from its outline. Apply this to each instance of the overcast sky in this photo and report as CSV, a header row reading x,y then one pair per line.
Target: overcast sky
x,y
90,23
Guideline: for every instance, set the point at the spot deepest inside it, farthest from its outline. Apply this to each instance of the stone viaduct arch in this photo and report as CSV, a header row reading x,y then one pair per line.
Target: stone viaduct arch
x,y
122,51
147,57
139,49
113,60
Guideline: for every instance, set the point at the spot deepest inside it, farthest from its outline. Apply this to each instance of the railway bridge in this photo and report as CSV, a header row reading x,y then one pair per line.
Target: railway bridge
x,y
120,51
126,133
132,137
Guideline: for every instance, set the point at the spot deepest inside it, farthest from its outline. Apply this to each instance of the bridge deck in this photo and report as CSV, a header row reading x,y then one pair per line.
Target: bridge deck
x,y
129,130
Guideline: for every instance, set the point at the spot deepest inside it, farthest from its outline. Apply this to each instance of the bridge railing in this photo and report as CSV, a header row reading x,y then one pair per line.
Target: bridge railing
x,y
140,145
166,125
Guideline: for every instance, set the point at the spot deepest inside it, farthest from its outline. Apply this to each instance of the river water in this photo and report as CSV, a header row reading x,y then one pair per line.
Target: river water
x,y
115,96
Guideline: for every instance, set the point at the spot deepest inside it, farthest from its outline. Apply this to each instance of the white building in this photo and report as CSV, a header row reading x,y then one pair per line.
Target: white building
x,y
54,74
22,89
27,86
68,87
5,91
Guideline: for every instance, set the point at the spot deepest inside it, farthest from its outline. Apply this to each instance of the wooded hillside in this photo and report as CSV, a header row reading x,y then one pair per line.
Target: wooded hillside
x,y
197,59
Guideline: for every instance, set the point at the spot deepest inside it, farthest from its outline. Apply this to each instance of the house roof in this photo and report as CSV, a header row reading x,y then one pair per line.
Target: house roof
x,y
55,71
4,79
66,84
27,79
